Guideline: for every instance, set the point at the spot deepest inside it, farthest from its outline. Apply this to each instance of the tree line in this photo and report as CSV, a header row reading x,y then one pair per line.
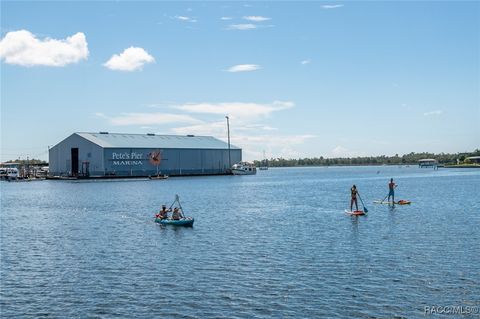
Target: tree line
x,y
33,161
407,159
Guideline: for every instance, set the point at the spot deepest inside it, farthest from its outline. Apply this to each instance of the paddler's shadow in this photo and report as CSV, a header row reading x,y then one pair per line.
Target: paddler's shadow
x,y
392,216
355,227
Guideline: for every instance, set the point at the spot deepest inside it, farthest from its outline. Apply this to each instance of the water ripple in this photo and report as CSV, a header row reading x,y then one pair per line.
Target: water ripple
x,y
275,245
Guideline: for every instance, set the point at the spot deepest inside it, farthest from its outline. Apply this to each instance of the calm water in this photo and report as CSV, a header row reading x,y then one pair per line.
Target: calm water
x,y
277,244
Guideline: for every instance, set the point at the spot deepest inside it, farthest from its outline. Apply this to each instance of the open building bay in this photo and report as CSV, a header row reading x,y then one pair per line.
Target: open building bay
x,y
274,245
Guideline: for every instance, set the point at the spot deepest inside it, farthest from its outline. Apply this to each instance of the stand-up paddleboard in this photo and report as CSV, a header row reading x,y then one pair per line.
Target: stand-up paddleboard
x,y
380,202
355,212
400,202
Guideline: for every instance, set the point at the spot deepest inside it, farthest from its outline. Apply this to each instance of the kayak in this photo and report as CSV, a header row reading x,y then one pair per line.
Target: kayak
x,y
180,222
355,212
400,202
184,221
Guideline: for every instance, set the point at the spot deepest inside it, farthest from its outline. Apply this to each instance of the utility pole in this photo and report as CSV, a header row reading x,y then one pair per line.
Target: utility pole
x,y
228,132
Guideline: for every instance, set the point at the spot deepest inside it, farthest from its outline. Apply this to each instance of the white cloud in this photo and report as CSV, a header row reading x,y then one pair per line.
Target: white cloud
x,y
102,115
219,129
146,119
277,145
186,19
245,26
226,18
246,127
305,62
432,113
332,6
23,48
252,142
212,128
277,140
237,110
341,151
244,68
256,127
239,129
131,59
256,18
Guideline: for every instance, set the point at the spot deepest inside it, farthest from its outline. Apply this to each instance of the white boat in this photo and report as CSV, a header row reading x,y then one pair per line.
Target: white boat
x,y
244,168
9,173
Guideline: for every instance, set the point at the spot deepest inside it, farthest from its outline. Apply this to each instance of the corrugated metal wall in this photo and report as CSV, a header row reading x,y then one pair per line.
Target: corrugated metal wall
x,y
60,161
138,162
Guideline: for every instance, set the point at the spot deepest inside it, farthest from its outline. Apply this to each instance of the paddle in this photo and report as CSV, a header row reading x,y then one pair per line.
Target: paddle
x,y
364,208
177,200
383,199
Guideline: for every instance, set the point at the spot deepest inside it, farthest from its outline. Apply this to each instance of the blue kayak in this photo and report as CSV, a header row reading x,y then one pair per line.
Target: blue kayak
x,y
180,222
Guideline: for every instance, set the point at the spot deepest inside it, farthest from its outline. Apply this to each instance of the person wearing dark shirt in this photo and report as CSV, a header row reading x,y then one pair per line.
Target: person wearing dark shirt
x,y
354,193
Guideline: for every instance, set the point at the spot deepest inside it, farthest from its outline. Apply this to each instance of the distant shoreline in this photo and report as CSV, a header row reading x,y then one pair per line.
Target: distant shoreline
x,y
452,160
463,166
380,165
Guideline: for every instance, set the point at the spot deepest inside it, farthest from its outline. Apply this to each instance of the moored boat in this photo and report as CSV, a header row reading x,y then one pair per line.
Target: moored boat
x,y
244,168
158,177
9,173
264,166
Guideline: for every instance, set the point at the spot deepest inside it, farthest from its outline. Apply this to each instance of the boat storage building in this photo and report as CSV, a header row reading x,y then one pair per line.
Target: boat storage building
x,y
113,154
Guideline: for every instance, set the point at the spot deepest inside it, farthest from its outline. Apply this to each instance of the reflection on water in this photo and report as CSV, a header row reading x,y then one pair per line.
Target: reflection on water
x,y
277,244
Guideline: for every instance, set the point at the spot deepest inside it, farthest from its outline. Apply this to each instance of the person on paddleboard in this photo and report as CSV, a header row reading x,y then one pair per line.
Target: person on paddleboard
x,y
354,193
391,190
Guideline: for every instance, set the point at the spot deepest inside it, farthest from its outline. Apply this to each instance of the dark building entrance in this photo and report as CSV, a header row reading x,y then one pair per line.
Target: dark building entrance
x,y
74,161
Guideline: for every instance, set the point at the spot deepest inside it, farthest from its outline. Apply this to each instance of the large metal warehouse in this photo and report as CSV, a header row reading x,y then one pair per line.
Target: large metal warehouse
x,y
116,155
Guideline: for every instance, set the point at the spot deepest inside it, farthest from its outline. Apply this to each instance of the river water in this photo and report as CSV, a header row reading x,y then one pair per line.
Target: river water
x,y
274,245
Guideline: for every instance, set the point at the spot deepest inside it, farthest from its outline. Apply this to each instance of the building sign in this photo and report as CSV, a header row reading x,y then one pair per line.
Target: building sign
x,y
155,157
127,158
136,159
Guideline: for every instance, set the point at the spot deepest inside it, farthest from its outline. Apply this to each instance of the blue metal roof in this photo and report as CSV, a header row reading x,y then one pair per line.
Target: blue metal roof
x,y
120,140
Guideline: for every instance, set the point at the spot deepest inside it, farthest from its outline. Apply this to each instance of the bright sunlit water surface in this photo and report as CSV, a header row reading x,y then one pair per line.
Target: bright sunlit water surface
x,y
277,244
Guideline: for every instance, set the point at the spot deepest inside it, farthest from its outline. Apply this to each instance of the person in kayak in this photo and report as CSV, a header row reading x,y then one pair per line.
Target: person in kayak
x,y
391,191
354,193
176,215
163,214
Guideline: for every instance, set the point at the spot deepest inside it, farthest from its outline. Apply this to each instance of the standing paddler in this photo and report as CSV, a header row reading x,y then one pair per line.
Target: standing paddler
x,y
354,193
391,190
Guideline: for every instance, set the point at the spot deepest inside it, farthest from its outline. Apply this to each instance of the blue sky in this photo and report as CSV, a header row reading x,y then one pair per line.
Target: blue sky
x,y
298,79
